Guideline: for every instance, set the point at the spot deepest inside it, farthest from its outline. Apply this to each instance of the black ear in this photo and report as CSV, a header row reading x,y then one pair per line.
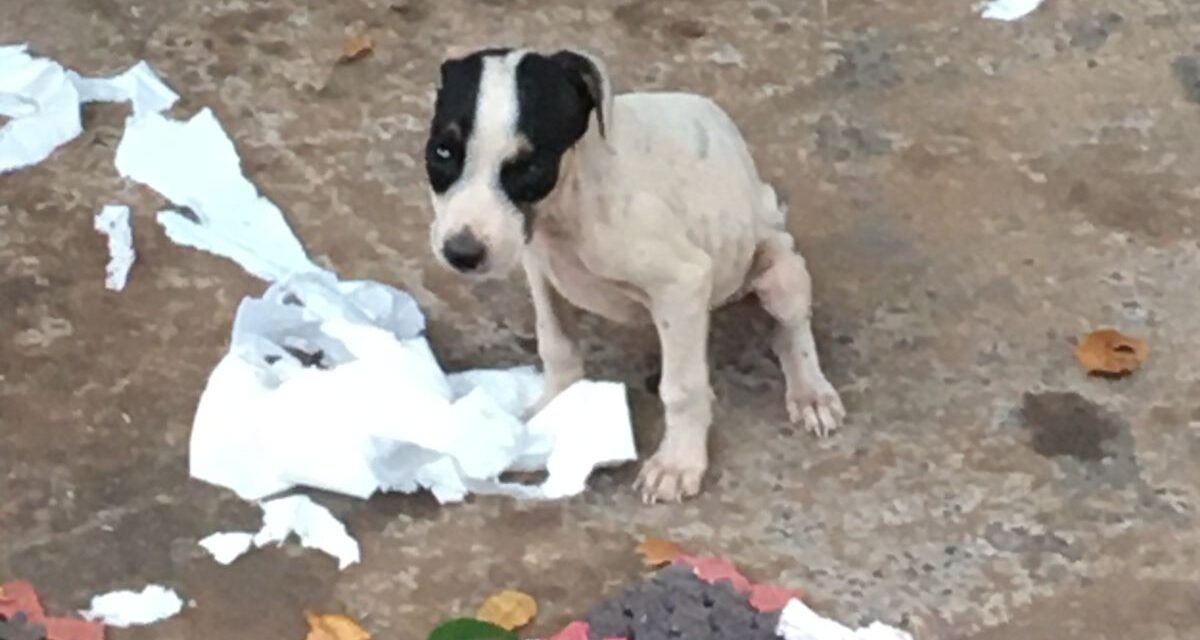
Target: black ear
x,y
589,79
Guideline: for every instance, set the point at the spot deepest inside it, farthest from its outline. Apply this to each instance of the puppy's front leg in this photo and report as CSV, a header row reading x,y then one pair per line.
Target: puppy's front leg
x,y
562,363
681,315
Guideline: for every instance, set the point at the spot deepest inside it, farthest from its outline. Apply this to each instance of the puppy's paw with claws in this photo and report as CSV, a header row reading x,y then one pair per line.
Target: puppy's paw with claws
x,y
671,476
818,408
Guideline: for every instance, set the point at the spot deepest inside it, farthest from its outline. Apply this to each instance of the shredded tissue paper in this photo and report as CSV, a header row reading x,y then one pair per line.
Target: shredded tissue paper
x,y
43,99
133,608
113,221
799,622
1009,10
327,384
333,385
313,525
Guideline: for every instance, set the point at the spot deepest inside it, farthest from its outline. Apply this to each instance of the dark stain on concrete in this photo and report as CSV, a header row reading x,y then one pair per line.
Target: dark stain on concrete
x,y
1091,32
1067,424
1187,71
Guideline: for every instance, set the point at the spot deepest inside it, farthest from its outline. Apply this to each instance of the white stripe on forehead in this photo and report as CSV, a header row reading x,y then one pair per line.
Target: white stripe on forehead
x,y
496,106
493,134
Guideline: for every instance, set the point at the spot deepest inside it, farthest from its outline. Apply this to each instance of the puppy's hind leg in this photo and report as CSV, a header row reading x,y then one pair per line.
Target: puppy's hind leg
x,y
784,286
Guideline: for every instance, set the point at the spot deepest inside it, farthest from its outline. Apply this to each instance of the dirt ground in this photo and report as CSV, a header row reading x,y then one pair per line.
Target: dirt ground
x,y
971,196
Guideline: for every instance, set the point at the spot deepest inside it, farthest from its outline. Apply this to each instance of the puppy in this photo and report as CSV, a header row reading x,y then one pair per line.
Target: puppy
x,y
637,207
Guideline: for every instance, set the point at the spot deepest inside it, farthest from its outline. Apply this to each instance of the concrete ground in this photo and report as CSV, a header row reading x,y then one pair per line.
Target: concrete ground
x,y
972,197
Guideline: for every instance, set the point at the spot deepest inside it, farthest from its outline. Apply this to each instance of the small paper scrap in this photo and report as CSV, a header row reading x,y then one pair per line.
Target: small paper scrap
x,y
113,221
798,622
227,546
43,99
311,522
195,165
332,385
130,608
1009,10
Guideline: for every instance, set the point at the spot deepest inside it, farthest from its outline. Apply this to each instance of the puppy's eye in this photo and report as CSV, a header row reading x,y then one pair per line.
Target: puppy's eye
x,y
443,152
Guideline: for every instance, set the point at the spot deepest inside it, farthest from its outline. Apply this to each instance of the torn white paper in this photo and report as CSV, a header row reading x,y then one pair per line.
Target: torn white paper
x,y
130,608
1009,10
113,221
43,105
43,99
798,622
137,85
332,385
312,523
195,165
227,546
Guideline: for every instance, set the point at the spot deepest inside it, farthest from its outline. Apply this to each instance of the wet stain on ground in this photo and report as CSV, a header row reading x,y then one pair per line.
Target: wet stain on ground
x,y
1067,424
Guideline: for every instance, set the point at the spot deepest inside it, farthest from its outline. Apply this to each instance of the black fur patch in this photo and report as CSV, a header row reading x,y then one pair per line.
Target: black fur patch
x,y
454,118
552,116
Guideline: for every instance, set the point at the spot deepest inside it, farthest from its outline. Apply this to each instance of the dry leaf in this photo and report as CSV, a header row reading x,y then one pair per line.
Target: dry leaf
x,y
333,627
508,610
356,46
1108,352
657,552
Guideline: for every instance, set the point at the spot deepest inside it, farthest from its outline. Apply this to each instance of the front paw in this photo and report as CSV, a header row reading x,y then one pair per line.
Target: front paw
x,y
818,408
672,474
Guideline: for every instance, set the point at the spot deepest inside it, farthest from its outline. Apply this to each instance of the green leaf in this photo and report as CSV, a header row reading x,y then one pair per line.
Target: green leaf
x,y
470,629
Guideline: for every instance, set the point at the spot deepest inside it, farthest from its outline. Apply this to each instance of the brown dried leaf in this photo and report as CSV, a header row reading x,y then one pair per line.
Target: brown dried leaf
x,y
333,627
657,552
1109,352
356,46
508,610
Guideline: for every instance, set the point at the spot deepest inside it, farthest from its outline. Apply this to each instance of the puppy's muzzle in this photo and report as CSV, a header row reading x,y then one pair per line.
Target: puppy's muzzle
x,y
464,251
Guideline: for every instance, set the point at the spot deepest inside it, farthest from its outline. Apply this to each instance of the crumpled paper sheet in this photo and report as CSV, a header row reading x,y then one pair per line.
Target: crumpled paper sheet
x,y
113,221
43,99
312,523
332,385
132,608
19,596
195,165
1009,10
798,622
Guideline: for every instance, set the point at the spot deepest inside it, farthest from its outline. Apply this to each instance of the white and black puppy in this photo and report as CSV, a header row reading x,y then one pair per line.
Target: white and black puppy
x,y
642,206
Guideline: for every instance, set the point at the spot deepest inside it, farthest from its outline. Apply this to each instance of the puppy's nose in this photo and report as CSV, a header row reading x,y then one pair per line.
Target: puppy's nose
x,y
463,251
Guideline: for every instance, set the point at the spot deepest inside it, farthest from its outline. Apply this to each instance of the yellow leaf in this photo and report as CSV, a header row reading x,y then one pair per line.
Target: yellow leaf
x,y
508,609
657,552
333,627
356,46
1108,352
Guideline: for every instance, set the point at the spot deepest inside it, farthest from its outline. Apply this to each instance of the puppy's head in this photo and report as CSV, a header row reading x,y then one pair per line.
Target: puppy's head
x,y
501,124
